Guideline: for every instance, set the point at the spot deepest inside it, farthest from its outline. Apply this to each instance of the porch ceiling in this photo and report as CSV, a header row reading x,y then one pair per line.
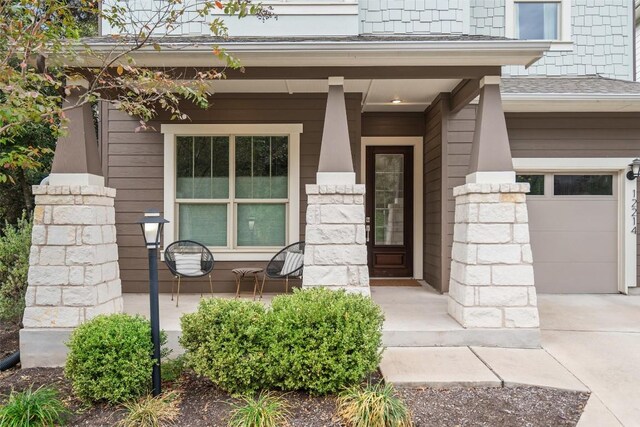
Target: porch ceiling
x,y
377,94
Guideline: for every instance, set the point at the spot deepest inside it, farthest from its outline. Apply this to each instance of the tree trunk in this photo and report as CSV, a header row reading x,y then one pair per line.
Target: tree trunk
x,y
26,191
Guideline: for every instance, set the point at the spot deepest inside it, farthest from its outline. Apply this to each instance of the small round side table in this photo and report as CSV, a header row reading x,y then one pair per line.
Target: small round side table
x,y
241,273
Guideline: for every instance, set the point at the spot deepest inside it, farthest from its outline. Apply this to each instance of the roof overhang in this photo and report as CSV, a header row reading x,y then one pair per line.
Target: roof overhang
x,y
545,102
315,53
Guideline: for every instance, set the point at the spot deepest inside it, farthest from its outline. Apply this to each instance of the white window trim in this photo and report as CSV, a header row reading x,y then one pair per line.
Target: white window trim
x,y
293,130
627,241
416,143
564,43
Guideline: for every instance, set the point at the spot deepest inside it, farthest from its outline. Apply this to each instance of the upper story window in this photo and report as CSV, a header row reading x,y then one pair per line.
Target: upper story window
x,y
537,20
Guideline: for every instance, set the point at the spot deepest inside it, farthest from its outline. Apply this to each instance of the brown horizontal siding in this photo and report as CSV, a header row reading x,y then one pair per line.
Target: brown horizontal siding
x,y
135,168
432,171
575,135
393,124
540,135
460,129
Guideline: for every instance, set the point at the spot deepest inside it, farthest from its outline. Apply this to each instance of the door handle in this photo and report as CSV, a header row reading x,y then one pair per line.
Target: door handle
x,y
367,228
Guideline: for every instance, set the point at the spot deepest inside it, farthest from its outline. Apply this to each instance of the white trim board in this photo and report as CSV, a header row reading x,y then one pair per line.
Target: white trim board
x,y
627,241
293,130
417,144
564,42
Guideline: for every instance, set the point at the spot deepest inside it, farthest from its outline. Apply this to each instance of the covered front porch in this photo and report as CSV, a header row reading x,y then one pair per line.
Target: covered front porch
x,y
415,316
317,113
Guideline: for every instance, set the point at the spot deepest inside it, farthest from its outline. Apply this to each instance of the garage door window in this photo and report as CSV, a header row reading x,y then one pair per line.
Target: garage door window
x,y
536,183
583,185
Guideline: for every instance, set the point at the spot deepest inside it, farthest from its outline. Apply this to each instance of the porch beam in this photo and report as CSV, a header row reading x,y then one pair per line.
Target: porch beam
x,y
349,73
466,91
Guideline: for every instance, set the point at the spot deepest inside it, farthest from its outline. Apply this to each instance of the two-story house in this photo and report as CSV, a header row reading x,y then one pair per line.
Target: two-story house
x,y
412,71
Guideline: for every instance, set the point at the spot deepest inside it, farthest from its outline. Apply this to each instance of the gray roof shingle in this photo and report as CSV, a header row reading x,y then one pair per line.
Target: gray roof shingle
x,y
587,85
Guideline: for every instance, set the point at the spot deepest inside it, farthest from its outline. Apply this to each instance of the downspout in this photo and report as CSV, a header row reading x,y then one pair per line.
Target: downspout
x,y
10,361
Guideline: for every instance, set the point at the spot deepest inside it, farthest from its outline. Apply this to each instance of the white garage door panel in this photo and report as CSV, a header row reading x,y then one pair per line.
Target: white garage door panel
x,y
572,215
585,246
574,240
575,277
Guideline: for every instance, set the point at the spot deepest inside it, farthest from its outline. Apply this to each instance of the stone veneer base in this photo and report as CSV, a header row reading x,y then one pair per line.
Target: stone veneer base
x,y
492,282
335,253
73,268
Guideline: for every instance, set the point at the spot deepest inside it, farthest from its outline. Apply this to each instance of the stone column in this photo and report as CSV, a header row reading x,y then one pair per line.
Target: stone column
x,y
492,283
335,249
73,265
73,268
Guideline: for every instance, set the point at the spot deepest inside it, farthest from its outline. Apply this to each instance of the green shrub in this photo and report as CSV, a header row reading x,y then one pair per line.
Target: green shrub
x,y
316,340
110,358
172,369
373,406
15,244
323,340
152,411
33,408
224,341
267,410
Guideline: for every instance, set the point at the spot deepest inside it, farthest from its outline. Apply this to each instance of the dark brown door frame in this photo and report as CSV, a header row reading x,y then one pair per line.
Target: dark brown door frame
x,y
381,251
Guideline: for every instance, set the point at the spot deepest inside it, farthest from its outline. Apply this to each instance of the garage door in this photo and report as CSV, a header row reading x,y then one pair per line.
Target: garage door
x,y
573,225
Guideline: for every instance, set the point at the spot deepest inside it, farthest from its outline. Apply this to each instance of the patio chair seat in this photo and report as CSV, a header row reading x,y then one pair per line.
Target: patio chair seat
x,y
186,258
289,262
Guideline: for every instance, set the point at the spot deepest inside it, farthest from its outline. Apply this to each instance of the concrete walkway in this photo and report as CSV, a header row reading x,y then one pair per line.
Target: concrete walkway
x,y
590,343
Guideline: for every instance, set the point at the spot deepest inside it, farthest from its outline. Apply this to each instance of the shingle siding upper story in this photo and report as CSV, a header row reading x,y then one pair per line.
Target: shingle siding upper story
x,y
487,17
600,40
602,35
414,16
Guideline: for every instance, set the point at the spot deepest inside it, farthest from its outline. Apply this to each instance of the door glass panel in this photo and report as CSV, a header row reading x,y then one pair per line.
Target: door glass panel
x,y
389,199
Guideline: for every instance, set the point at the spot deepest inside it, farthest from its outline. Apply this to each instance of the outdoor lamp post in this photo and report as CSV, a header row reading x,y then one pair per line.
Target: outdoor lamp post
x,y
151,224
634,170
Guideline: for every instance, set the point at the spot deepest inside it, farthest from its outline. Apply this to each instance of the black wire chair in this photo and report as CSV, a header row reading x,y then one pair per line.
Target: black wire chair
x,y
275,268
182,260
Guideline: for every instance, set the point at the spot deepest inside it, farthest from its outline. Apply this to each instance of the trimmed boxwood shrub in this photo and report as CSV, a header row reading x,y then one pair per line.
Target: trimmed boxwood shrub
x,y
323,340
110,358
225,342
316,340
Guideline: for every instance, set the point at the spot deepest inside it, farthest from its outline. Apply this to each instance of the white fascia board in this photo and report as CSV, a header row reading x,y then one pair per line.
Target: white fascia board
x,y
546,102
339,53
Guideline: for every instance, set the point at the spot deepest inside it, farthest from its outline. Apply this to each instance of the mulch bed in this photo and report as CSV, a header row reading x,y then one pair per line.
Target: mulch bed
x,y
205,405
8,339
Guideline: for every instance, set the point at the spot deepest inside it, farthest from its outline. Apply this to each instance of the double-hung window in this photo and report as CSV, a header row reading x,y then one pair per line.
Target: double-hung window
x,y
539,20
236,192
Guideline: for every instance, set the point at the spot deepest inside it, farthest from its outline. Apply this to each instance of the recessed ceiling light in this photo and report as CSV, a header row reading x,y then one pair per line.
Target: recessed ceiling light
x,y
396,101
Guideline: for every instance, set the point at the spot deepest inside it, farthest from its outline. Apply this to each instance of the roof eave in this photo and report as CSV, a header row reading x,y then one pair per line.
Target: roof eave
x,y
568,102
341,53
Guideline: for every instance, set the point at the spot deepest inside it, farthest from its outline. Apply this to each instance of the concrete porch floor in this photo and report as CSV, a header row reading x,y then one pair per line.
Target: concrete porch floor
x,y
414,317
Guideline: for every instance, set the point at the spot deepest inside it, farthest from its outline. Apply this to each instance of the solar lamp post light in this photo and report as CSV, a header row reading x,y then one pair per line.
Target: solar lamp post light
x,y
151,224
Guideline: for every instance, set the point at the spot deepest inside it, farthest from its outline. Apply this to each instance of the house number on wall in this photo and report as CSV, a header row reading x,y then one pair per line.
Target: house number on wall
x,y
634,212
